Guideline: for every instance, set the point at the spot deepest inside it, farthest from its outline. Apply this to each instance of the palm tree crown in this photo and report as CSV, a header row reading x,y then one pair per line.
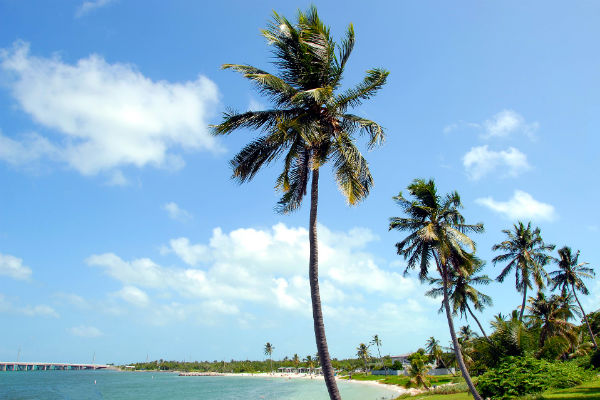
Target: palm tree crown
x,y
309,124
461,290
552,315
527,254
571,272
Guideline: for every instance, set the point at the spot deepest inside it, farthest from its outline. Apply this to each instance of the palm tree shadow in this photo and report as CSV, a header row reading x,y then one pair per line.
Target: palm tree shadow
x,y
583,393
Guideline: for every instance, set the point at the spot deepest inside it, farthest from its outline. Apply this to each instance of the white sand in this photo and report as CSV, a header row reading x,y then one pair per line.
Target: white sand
x,y
395,388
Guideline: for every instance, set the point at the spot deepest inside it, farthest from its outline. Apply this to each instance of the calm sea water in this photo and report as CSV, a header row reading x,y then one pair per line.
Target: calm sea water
x,y
112,385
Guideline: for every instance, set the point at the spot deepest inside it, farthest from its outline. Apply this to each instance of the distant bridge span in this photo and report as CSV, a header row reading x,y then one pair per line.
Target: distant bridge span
x,y
45,366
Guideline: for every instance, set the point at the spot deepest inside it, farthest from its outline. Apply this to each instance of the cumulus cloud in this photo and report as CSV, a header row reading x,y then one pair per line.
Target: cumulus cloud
x,y
521,206
266,267
13,267
480,161
107,115
85,331
88,6
40,310
506,123
501,125
133,295
177,213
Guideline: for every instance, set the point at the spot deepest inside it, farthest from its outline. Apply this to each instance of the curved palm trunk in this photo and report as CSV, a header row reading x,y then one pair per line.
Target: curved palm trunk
x,y
313,277
381,360
478,323
585,319
523,305
457,351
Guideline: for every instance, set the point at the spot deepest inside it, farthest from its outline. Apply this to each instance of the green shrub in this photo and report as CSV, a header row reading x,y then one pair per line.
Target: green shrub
x,y
519,376
595,359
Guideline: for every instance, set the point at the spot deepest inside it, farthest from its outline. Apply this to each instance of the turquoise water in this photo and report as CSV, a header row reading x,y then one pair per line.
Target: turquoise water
x,y
112,385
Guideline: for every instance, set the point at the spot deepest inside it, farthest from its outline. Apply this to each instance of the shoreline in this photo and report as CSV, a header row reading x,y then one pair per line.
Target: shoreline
x,y
394,388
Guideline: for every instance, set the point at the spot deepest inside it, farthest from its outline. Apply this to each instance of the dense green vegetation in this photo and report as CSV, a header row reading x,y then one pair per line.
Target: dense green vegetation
x,y
518,376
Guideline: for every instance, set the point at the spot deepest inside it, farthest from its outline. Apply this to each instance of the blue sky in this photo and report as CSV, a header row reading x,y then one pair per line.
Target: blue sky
x,y
122,235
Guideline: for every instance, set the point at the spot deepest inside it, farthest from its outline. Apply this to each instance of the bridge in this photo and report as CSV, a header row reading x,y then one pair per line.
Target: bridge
x,y
44,366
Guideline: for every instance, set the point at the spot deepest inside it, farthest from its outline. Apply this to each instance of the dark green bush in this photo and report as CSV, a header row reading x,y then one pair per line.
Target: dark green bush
x,y
595,359
519,376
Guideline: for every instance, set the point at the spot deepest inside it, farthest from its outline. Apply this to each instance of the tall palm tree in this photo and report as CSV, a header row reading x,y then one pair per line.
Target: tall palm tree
x,y
308,126
437,239
362,351
569,277
527,254
552,316
377,342
296,360
269,352
461,291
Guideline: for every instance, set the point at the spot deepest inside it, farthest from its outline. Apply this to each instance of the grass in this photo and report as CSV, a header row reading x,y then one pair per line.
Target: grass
x,y
587,391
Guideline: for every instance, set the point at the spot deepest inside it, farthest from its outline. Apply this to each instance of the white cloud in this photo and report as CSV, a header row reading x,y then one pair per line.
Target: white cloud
x,y
108,115
133,295
506,123
13,267
85,331
479,161
175,212
72,299
191,254
117,179
500,125
40,310
30,148
521,206
88,6
267,267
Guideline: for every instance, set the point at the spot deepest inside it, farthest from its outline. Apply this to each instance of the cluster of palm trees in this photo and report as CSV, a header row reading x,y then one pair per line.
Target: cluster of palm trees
x,y
310,125
437,242
363,352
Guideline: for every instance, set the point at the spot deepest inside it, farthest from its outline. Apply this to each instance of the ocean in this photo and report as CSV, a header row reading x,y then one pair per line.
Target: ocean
x,y
114,385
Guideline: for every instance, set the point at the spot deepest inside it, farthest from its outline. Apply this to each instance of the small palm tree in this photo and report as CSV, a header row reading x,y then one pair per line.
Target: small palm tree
x,y
437,239
269,352
308,126
569,277
465,334
362,351
435,350
461,291
310,363
527,254
377,342
418,371
511,335
552,315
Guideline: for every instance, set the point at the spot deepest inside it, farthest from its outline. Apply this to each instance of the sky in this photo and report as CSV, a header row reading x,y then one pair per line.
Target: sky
x,y
123,238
